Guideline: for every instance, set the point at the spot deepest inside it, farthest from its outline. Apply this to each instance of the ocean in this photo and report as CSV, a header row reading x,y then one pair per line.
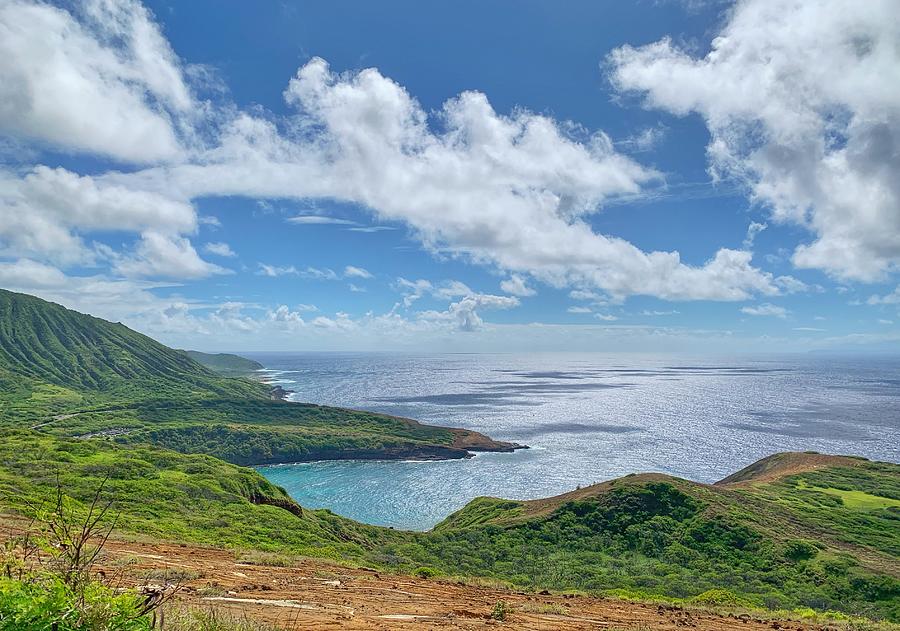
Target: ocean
x,y
585,417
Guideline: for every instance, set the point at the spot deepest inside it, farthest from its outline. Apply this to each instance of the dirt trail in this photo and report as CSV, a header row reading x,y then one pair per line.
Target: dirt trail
x,y
319,595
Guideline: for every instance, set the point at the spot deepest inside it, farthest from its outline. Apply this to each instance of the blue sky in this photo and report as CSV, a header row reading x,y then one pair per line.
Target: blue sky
x,y
648,176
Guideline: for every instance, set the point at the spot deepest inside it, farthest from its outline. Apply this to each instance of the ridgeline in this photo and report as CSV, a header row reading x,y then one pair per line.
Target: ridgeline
x,y
70,374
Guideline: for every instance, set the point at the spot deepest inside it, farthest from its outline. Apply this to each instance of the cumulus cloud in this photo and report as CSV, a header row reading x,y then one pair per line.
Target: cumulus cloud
x,y
464,314
46,212
515,191
766,309
516,286
100,79
802,105
160,255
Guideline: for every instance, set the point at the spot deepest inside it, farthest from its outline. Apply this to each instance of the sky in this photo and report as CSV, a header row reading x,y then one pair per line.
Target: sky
x,y
652,176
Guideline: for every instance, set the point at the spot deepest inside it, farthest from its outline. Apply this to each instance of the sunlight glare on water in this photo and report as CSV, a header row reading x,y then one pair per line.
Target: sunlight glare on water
x,y
587,418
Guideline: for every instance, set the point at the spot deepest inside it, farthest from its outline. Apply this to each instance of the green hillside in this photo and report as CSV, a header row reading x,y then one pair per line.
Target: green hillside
x,y
825,538
225,363
70,374
815,531
56,361
180,497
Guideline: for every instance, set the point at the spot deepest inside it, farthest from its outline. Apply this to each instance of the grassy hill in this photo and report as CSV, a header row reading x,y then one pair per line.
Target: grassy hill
x,y
225,363
820,537
180,497
54,361
70,374
792,531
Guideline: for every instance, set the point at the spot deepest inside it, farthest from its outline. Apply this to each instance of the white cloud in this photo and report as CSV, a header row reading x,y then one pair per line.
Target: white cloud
x,y
513,191
464,311
113,299
413,289
356,272
219,249
283,315
645,140
654,313
274,271
45,213
313,273
791,285
312,220
766,309
30,275
586,294
579,310
605,317
802,104
752,230
445,290
883,321
185,323
160,255
892,298
450,289
317,273
370,229
103,80
516,286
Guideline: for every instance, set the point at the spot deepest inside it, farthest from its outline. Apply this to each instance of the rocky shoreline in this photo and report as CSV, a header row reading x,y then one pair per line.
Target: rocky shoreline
x,y
466,443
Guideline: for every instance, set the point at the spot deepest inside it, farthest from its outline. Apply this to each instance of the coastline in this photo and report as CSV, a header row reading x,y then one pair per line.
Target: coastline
x,y
465,444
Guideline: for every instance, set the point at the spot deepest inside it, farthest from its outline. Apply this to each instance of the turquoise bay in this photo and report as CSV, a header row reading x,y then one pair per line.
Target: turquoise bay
x,y
586,417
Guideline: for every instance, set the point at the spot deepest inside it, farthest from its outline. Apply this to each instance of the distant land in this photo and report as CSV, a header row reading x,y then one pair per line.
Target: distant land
x,y
226,363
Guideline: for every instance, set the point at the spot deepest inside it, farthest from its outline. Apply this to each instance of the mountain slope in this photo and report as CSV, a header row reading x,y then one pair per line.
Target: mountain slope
x,y
59,360
75,375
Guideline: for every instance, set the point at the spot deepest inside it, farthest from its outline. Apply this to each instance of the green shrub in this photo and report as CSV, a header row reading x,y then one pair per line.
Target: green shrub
x,y
426,572
48,603
800,550
720,598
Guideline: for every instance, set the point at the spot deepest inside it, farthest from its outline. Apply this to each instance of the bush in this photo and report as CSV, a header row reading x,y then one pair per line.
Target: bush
x,y
720,598
800,550
48,603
